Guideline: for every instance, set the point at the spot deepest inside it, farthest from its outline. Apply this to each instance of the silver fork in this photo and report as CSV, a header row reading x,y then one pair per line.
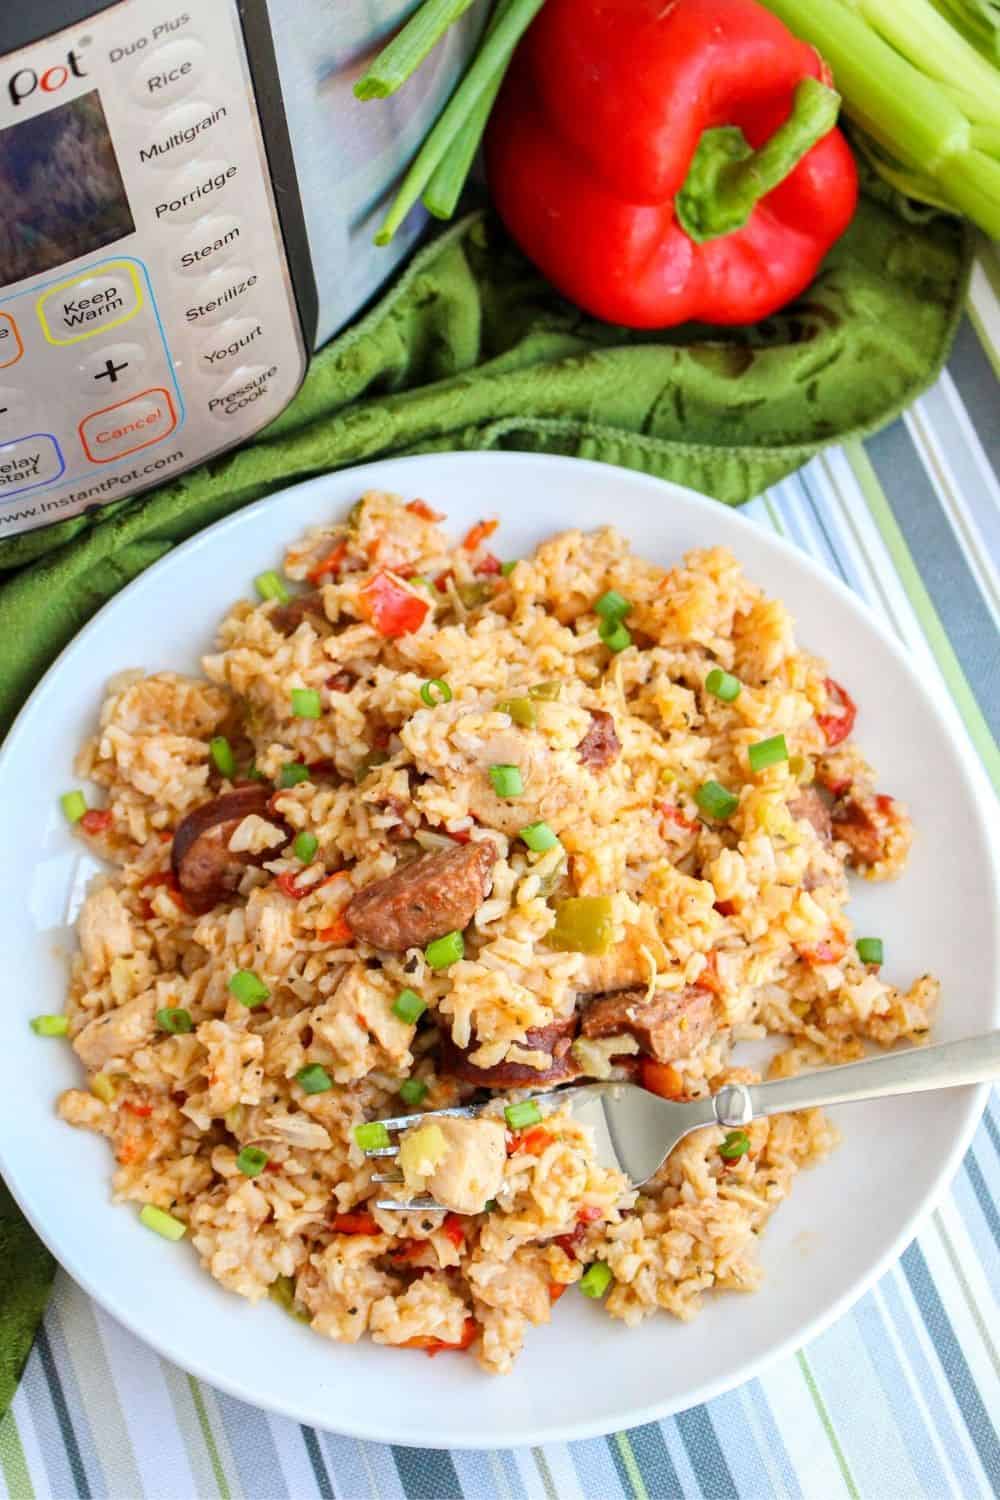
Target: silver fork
x,y
635,1131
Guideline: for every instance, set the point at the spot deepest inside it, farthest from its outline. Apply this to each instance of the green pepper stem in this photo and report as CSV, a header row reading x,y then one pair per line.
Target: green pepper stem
x,y
727,179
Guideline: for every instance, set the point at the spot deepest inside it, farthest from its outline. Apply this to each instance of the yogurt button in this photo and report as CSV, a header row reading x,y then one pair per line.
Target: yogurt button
x,y
228,345
210,242
182,133
169,73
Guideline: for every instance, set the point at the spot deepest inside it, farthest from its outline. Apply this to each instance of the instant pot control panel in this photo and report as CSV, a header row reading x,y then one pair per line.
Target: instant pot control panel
x,y
147,314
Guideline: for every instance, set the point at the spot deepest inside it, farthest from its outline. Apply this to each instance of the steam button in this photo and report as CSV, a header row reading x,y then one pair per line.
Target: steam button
x,y
169,73
210,242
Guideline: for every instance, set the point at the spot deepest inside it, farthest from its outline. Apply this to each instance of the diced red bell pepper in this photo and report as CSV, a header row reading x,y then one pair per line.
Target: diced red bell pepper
x,y
441,581
338,932
709,979
837,727
423,510
356,1222
439,1346
661,1078
488,566
96,820
478,533
460,835
536,1139
827,951
884,803
725,908
408,1250
556,1289
390,606
328,564
286,883
673,814
454,1228
142,1110
168,879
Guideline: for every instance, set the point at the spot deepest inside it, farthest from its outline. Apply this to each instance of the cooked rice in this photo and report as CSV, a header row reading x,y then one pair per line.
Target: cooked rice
x,y
752,909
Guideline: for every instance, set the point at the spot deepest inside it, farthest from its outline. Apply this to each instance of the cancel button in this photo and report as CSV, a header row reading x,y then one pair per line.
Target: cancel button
x,y
117,430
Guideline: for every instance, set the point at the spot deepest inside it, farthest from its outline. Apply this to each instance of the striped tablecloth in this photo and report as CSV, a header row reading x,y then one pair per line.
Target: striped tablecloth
x,y
901,1396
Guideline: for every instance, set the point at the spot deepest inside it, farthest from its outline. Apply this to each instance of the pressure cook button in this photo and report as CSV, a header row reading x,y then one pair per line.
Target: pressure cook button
x,y
124,427
241,393
194,190
229,344
90,303
110,366
210,242
181,133
28,462
220,294
169,73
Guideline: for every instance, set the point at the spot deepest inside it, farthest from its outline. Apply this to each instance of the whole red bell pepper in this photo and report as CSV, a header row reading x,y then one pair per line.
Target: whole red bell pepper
x,y
668,160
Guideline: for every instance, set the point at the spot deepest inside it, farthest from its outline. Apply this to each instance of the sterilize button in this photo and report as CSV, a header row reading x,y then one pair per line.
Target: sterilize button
x,y
210,242
169,73
229,344
125,426
181,133
28,462
220,294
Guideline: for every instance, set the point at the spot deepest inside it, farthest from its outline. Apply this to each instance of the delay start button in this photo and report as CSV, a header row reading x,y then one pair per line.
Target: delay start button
x,y
242,391
28,462
123,428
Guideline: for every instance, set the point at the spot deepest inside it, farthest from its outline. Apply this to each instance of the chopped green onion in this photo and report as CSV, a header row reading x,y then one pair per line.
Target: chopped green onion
x,y
292,774
612,606
306,703
406,51
74,805
248,989
174,1019
444,951
584,924
595,1280
413,1091
252,1161
736,1144
767,752
716,800
408,1005
371,1137
221,752
870,950
489,1206
282,1291
162,1223
254,774
539,837
614,635
50,1025
545,692
507,568
366,766
435,691
305,846
520,1116
723,685
521,711
270,586
314,1079
506,781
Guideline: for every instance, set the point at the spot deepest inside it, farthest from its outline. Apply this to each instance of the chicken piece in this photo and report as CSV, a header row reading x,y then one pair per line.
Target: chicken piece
x,y
668,1026
118,1033
547,796
104,929
471,1171
424,899
520,1285
627,966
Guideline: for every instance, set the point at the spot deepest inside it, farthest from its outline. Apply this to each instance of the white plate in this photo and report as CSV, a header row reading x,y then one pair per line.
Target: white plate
x,y
585,1374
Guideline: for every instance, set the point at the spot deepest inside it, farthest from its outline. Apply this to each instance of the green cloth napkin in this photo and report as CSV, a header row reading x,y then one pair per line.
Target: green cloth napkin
x,y
471,348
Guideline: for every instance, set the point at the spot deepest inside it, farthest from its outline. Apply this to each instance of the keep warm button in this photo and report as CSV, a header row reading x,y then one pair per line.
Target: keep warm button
x,y
115,431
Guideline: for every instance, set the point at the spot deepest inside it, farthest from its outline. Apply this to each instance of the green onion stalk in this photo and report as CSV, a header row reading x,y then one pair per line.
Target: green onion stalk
x,y
929,100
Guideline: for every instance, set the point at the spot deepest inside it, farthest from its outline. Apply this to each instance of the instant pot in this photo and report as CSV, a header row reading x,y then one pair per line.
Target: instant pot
x,y
189,196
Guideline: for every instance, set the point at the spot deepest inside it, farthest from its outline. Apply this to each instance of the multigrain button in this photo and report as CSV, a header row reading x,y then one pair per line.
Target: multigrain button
x,y
181,133
228,345
90,303
219,295
11,347
241,393
209,243
28,462
169,73
194,190
124,427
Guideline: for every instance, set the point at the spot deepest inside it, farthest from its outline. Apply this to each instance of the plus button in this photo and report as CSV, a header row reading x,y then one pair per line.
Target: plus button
x,y
110,371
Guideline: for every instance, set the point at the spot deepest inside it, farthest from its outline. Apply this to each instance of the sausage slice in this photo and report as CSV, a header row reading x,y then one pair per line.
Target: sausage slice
x,y
600,746
435,894
811,807
287,618
865,835
668,1026
206,870
556,1038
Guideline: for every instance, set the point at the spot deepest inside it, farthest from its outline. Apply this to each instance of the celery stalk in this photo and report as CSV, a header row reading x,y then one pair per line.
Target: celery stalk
x,y
926,40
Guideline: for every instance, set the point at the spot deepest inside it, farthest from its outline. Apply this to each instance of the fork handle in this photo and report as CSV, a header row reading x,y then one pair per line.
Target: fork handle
x,y
949,1065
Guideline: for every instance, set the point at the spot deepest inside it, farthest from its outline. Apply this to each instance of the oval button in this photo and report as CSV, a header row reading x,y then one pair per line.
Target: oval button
x,y
210,242
242,393
194,190
14,408
182,133
219,295
87,305
169,73
111,366
230,344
